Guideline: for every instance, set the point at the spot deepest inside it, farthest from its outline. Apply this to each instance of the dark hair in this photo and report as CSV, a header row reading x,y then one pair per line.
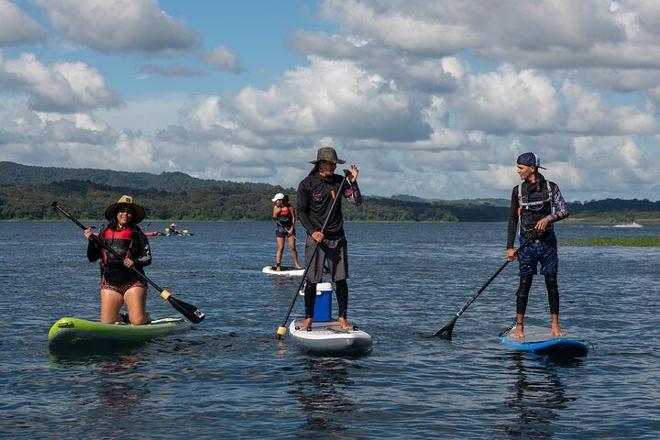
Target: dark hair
x,y
315,170
285,200
114,222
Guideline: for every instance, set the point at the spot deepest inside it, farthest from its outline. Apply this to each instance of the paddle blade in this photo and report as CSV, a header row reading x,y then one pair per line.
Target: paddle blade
x,y
445,332
281,331
192,313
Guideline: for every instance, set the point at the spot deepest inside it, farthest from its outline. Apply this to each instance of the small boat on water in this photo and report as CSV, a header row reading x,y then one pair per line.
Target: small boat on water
x,y
628,225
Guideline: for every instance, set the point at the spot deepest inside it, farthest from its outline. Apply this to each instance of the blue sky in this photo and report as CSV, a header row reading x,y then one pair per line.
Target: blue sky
x,y
434,99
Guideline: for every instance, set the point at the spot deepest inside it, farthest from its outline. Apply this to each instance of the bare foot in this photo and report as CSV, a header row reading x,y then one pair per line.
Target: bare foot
x,y
298,266
556,331
520,332
343,324
277,268
306,324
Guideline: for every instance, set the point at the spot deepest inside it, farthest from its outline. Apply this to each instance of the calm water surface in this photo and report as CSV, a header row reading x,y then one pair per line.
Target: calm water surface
x,y
230,378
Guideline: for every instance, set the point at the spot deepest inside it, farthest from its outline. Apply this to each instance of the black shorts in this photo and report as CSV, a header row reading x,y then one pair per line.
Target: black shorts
x,y
281,232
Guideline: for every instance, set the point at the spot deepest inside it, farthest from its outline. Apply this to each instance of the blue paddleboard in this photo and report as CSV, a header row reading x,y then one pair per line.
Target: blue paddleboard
x,y
538,340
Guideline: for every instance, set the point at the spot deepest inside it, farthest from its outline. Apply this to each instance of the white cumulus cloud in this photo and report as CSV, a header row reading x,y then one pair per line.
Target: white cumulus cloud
x,y
60,87
119,25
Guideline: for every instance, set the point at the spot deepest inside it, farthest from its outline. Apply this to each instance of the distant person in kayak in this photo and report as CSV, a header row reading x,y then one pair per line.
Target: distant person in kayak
x,y
315,195
285,219
172,229
120,284
537,203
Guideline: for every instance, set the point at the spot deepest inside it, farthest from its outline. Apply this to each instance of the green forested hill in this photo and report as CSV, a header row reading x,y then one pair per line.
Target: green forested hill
x,y
26,192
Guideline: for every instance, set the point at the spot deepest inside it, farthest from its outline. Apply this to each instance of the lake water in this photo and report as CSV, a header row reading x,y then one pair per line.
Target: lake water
x,y
230,378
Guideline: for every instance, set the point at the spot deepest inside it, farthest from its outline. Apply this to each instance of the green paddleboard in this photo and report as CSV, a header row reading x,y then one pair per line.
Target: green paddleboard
x,y
75,330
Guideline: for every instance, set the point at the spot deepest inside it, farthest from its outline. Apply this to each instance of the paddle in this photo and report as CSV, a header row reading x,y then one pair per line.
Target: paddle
x,y
445,332
285,228
281,330
192,313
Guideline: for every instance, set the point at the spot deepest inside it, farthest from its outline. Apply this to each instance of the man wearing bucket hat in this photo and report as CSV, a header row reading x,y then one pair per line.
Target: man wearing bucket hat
x,y
285,219
315,196
119,284
537,204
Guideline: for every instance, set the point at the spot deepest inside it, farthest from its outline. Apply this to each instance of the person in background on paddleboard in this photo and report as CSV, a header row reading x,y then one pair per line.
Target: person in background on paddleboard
x,y
537,203
120,284
315,196
285,217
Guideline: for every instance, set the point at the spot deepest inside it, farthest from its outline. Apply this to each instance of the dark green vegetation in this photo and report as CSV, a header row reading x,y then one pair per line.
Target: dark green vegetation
x,y
616,241
26,192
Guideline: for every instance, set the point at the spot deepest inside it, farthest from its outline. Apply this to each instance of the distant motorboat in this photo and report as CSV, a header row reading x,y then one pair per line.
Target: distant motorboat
x,y
628,225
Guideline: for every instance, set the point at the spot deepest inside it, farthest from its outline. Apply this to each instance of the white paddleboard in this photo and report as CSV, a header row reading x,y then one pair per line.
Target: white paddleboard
x,y
289,271
329,338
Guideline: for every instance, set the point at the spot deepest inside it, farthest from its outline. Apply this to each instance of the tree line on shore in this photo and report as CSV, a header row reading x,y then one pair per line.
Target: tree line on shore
x,y
26,193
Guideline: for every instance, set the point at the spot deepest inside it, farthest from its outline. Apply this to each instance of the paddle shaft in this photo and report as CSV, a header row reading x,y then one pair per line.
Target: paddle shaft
x,y
447,329
189,311
285,228
108,248
282,329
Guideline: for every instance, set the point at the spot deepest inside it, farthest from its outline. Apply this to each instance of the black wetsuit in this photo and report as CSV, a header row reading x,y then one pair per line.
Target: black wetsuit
x,y
316,194
530,203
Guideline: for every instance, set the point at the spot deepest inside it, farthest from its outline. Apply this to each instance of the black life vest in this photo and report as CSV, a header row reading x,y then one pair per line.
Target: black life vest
x,y
534,203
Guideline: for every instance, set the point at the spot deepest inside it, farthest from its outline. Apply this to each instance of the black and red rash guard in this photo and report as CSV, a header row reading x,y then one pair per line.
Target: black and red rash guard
x,y
127,242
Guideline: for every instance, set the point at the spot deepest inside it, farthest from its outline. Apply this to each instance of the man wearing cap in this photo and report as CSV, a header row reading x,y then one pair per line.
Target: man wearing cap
x,y
537,203
315,196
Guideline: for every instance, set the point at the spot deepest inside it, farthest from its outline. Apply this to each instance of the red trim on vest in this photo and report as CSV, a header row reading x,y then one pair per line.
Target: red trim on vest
x,y
124,234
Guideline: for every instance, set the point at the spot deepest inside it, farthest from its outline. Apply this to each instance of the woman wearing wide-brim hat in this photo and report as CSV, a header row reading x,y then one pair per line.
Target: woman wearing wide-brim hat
x,y
119,283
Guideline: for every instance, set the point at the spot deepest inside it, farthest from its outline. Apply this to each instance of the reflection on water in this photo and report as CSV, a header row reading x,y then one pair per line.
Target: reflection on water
x,y
118,388
114,368
538,396
324,395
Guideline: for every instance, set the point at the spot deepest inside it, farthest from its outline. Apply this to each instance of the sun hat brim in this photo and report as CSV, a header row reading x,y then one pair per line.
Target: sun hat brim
x,y
138,211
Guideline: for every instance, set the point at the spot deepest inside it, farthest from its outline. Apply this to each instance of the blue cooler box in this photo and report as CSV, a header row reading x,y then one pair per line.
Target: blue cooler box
x,y
323,304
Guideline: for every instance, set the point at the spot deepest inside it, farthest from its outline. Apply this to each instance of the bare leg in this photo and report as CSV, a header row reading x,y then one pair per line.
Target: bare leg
x,y
111,303
520,326
136,300
278,253
294,252
555,329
